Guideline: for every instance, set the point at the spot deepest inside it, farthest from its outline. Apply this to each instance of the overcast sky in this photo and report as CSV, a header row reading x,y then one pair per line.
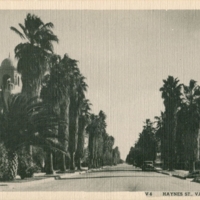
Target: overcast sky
x,y
125,55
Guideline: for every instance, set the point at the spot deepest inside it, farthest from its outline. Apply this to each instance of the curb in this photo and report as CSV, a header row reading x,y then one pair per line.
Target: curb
x,y
165,173
181,177
44,179
173,175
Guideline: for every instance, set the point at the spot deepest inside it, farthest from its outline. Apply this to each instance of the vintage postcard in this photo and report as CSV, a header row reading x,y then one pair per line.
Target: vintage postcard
x,y
99,99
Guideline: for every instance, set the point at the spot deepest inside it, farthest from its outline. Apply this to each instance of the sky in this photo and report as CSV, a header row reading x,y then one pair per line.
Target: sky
x,y
125,55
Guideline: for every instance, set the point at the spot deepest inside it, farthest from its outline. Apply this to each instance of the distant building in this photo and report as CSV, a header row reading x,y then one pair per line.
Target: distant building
x,y
10,80
198,145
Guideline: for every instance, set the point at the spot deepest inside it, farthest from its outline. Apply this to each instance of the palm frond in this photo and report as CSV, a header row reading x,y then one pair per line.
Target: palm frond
x,y
22,121
17,32
48,25
24,30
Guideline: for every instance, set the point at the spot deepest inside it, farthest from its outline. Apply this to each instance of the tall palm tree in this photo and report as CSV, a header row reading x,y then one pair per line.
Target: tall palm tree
x,y
96,130
171,92
26,122
159,133
107,150
100,136
78,88
159,122
147,141
34,54
190,114
55,92
91,131
84,117
116,156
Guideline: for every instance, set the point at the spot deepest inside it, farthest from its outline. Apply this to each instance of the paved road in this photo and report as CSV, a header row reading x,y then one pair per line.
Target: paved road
x,y
118,178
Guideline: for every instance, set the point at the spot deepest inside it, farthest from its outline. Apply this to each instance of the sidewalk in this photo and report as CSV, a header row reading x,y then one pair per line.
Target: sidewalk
x,y
39,178
176,173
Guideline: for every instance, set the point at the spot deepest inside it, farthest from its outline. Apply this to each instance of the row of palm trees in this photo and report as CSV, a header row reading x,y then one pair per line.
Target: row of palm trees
x,y
100,146
52,110
177,129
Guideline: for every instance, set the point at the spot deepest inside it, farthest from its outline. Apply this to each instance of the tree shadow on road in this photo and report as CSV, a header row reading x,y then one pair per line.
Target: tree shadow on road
x,y
89,177
118,170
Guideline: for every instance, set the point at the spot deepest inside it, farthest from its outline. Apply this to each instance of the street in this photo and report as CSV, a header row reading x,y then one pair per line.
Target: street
x,y
116,178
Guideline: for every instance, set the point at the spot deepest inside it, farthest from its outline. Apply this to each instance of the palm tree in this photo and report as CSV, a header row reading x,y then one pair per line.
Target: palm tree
x,y
84,117
147,141
91,144
55,92
34,54
107,150
190,114
171,95
78,88
96,130
159,123
159,133
26,122
100,136
116,156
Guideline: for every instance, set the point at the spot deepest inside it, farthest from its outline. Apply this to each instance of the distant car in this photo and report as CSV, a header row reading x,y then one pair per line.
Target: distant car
x,y
148,166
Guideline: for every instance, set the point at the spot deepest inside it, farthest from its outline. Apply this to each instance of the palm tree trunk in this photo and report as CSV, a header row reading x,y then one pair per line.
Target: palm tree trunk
x,y
31,87
72,161
5,96
63,163
195,149
81,141
49,163
79,164
94,163
11,172
63,130
191,148
91,163
73,131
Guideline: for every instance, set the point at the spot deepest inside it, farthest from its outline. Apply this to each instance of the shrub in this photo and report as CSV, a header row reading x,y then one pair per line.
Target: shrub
x,y
3,161
107,158
26,167
39,157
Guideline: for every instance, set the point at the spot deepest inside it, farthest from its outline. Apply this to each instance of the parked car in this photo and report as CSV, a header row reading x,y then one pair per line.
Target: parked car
x,y
148,166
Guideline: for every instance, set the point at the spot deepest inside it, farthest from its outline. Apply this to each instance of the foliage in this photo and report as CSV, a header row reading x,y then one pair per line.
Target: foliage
x,y
146,146
55,85
27,122
189,118
34,55
3,161
84,116
96,129
108,149
135,157
26,168
171,92
39,156
116,156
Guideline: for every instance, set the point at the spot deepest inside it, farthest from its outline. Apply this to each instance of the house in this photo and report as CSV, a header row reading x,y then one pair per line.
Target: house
x,y
10,80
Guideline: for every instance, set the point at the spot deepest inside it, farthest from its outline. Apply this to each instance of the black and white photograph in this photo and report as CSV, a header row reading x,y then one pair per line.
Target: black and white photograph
x,y
100,101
